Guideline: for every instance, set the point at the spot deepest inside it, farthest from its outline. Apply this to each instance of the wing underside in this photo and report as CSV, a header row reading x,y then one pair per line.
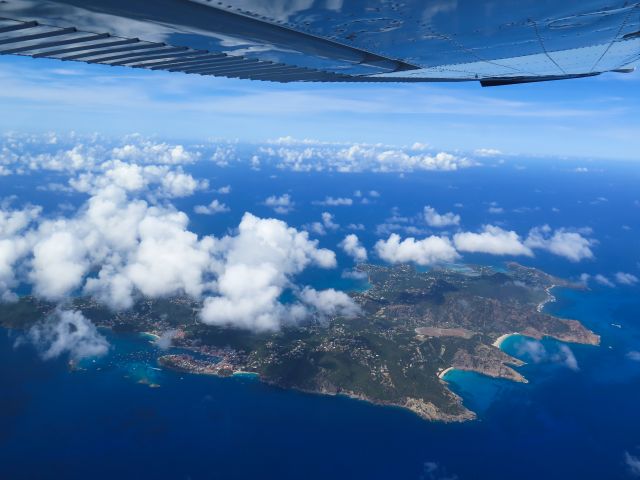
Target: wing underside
x,y
496,42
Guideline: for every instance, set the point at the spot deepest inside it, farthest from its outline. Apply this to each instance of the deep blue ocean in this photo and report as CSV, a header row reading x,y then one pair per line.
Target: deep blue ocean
x,y
107,420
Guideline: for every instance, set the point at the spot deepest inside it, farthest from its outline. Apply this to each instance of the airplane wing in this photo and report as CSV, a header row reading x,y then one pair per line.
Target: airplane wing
x,y
496,42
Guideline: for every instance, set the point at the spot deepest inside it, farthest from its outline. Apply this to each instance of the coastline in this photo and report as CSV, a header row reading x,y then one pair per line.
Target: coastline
x,y
550,298
502,338
444,372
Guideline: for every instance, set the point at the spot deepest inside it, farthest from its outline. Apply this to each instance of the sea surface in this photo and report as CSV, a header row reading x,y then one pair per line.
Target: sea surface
x,y
121,417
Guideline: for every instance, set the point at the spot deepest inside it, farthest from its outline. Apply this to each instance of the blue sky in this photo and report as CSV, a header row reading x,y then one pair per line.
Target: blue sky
x,y
579,118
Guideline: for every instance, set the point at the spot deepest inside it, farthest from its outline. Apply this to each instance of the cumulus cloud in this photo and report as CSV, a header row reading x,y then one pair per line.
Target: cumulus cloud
x,y
13,245
327,224
282,204
59,261
434,219
257,265
312,155
334,202
119,241
493,240
117,247
330,302
284,153
170,182
146,151
428,251
327,221
67,332
224,154
254,267
569,244
74,153
352,247
216,206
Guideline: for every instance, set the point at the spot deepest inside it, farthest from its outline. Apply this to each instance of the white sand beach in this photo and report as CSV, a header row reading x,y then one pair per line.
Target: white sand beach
x,y
502,338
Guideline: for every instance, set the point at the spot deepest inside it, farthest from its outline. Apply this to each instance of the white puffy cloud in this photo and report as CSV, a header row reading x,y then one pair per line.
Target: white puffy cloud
x,y
224,154
428,251
334,202
216,206
178,184
126,240
352,247
146,151
569,244
67,332
14,221
115,248
497,241
330,302
78,157
170,182
13,245
327,223
624,278
122,241
77,153
493,240
434,219
356,226
282,204
394,160
256,265
74,153
312,155
59,261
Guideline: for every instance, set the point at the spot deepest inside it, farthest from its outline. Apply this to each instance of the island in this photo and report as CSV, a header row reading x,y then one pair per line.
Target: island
x,y
413,327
